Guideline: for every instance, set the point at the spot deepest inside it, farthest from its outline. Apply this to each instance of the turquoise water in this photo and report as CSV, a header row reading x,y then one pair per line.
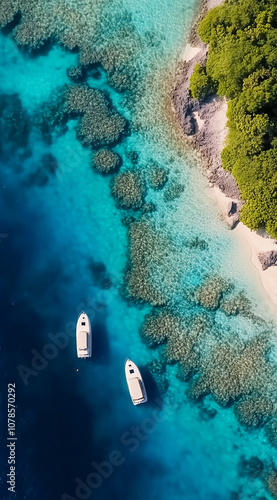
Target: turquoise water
x,y
66,246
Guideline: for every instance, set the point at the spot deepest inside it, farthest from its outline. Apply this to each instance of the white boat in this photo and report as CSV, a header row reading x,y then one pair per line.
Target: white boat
x,y
83,336
135,383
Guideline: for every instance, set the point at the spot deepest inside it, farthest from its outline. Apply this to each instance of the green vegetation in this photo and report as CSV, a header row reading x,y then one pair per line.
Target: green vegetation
x,y
201,85
241,65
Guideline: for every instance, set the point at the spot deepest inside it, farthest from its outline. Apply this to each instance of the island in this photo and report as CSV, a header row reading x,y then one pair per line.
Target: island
x,y
225,98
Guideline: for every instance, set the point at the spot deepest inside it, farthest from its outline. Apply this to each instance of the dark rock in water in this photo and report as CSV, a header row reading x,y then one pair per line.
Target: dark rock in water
x,y
173,192
234,496
99,274
271,432
189,125
40,176
268,259
133,156
76,73
197,243
128,219
15,124
207,413
106,284
253,467
231,208
149,207
95,73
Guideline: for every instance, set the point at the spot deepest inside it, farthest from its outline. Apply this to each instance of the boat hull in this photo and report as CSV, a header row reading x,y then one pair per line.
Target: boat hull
x,y
83,336
135,383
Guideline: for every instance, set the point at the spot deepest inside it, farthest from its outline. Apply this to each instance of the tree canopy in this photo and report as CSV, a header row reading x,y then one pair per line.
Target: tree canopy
x,y
242,66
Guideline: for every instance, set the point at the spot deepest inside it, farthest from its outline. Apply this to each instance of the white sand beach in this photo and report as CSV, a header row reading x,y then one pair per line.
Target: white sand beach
x,y
256,244
252,244
189,52
207,136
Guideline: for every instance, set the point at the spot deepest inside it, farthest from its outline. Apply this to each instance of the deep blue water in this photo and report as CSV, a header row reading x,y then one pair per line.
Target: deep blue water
x,y
64,247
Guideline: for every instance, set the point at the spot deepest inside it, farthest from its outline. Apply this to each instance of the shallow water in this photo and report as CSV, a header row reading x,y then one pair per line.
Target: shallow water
x,y
64,248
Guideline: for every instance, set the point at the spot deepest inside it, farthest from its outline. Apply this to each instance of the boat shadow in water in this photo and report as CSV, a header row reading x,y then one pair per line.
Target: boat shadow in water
x,y
152,390
100,344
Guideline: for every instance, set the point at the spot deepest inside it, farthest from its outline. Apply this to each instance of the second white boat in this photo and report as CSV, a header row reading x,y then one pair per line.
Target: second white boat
x,y
135,383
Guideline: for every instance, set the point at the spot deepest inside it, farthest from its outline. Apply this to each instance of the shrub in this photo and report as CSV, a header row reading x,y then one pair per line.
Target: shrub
x,y
201,85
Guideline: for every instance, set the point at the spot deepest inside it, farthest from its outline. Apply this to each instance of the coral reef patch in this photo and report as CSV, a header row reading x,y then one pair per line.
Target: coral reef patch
x,y
158,176
271,482
105,161
234,370
236,304
128,189
197,244
158,326
102,37
148,249
173,192
8,9
101,124
252,467
254,411
210,292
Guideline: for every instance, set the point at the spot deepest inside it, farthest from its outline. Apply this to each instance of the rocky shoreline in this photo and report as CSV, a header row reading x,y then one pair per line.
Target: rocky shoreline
x,y
204,126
